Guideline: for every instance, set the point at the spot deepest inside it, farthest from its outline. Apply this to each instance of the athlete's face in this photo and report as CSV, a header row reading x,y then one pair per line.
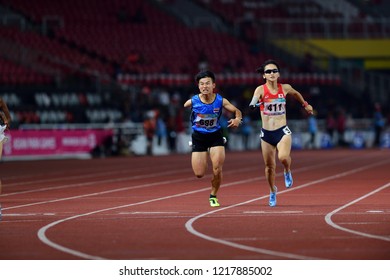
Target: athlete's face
x,y
206,85
271,72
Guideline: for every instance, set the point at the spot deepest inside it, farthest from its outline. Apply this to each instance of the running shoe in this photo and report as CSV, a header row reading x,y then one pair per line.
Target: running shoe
x,y
272,197
288,180
214,202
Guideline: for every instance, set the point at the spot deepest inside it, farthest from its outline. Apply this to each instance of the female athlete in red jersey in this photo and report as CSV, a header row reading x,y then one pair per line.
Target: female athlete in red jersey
x,y
275,134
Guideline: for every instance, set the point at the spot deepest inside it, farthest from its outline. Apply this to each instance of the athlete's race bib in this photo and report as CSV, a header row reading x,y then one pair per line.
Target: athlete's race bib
x,y
206,120
275,107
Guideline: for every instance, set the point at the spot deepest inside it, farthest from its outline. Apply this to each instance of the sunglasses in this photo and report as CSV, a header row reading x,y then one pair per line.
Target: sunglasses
x,y
269,71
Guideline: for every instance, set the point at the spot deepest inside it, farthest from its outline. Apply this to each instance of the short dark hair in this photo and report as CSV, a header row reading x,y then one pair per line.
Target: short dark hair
x,y
269,61
205,74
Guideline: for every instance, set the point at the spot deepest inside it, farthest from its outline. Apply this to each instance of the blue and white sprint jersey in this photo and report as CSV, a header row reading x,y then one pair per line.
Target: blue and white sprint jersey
x,y
205,117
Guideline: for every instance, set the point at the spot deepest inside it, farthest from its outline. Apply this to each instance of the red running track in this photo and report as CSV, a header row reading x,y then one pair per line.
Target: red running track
x,y
154,208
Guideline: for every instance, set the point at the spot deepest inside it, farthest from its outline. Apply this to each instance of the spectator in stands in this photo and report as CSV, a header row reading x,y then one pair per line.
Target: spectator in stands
x,y
246,130
330,125
171,133
149,129
379,124
313,129
341,127
207,138
275,134
161,129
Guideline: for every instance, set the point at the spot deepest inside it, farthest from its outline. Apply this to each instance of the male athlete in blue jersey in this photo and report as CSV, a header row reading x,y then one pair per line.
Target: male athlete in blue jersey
x,y
207,135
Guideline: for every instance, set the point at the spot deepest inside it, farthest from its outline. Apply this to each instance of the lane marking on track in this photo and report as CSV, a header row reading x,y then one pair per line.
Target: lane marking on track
x,y
153,175
272,212
42,231
146,213
361,223
328,217
160,182
88,173
104,192
190,223
170,172
28,214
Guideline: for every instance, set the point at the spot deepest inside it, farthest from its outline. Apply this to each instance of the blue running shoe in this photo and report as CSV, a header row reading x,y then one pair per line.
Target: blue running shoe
x,y
288,180
272,197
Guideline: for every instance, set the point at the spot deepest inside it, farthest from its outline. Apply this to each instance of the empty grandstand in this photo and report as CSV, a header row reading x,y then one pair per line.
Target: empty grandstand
x,y
94,63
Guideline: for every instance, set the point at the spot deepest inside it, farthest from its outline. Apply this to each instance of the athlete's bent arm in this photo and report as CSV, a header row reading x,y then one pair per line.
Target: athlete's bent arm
x,y
188,103
288,89
233,109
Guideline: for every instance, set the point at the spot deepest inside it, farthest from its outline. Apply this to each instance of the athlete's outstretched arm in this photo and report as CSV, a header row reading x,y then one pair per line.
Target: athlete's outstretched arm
x,y
288,89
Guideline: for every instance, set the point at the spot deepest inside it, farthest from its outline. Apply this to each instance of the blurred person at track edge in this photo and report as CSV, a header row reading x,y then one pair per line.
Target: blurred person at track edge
x,y
379,124
313,129
149,130
341,127
5,120
330,125
207,137
275,134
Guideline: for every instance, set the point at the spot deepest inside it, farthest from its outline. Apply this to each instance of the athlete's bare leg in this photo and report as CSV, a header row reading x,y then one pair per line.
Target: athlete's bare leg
x,y
269,153
284,150
217,156
199,163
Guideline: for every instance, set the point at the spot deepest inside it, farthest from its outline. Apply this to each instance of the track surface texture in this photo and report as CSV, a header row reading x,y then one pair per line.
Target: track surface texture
x,y
143,208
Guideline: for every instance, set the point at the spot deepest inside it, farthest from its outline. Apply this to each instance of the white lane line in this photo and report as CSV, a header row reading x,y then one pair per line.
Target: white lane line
x,y
272,212
190,223
42,231
160,183
328,217
146,213
88,173
101,193
28,214
153,175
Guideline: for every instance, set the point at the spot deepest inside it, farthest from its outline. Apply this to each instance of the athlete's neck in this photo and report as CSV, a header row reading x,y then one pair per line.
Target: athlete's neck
x,y
272,85
207,97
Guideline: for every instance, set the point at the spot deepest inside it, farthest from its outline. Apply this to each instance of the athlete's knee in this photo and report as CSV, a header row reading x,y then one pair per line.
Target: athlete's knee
x,y
199,175
284,158
269,169
217,170
199,172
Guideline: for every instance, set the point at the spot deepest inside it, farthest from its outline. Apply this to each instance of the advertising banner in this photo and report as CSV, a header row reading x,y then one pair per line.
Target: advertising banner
x,y
36,143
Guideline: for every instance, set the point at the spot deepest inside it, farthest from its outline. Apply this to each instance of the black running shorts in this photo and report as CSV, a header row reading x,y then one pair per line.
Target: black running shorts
x,y
201,142
273,137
